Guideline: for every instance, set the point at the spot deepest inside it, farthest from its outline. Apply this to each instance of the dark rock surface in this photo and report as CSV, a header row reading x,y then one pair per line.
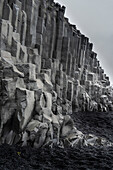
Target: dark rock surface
x,y
85,158
99,124
26,158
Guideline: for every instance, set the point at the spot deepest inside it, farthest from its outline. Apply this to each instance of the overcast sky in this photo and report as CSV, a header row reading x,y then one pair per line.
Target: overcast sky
x,y
95,19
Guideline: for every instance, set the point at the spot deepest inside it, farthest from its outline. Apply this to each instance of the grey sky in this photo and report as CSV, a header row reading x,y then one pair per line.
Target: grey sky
x,y
95,19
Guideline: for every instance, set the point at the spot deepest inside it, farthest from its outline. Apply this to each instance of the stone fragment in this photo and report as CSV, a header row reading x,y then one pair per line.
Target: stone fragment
x,y
35,58
43,100
28,69
41,135
35,134
47,83
15,52
67,126
20,83
23,57
25,105
9,69
47,115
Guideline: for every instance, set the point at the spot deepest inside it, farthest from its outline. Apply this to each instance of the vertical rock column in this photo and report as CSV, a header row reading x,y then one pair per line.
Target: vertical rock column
x,y
59,31
74,44
40,27
1,7
64,54
31,9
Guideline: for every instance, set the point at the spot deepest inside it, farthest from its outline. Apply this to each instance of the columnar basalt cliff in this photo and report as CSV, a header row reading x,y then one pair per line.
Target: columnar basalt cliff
x,y
48,71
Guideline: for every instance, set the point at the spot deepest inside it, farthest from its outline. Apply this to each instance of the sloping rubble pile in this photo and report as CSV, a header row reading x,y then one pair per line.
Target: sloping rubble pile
x,y
99,124
94,158
47,71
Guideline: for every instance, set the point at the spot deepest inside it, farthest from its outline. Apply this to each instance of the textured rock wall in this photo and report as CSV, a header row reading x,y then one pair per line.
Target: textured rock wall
x,y
47,71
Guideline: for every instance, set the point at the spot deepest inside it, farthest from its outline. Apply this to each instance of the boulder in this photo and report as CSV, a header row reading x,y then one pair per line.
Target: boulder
x,y
67,126
25,106
35,134
28,69
43,100
47,83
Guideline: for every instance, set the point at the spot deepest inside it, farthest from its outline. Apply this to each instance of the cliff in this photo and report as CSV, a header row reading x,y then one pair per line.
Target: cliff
x,y
48,71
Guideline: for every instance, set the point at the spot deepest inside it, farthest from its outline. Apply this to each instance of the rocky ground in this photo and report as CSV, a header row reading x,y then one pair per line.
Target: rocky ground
x,y
87,158
99,124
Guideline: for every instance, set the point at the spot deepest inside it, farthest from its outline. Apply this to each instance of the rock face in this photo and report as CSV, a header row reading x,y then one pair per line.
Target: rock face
x,y
47,72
